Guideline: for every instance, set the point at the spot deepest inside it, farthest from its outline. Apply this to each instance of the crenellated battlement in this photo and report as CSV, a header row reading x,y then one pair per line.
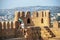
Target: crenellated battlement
x,y
8,28
42,13
39,17
8,24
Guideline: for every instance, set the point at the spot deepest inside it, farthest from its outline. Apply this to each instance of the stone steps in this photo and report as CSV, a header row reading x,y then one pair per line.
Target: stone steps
x,y
56,32
44,33
49,31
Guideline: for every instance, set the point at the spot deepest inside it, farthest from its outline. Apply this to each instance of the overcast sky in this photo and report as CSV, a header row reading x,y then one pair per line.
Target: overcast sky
x,y
8,4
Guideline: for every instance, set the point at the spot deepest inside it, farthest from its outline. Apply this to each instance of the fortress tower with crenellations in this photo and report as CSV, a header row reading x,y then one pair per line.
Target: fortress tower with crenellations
x,y
38,18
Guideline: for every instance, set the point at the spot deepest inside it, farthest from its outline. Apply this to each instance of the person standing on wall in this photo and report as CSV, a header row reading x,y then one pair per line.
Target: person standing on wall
x,y
21,23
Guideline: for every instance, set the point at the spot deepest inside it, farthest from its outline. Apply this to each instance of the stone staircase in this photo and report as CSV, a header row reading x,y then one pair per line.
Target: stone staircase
x,y
49,31
44,33
56,32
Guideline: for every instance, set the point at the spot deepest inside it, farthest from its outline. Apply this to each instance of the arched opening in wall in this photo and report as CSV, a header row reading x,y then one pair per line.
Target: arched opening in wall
x,y
28,21
42,20
37,14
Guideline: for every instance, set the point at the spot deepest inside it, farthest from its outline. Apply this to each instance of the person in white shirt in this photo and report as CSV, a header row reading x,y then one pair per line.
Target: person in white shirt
x,y
22,25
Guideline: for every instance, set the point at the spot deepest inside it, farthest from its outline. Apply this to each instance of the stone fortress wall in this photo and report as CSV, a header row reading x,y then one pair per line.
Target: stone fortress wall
x,y
8,28
37,19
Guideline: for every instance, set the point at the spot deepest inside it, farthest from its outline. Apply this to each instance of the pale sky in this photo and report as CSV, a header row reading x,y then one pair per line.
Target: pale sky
x,y
8,4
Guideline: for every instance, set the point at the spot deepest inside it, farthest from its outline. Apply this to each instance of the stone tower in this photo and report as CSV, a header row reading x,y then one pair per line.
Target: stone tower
x,y
41,18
